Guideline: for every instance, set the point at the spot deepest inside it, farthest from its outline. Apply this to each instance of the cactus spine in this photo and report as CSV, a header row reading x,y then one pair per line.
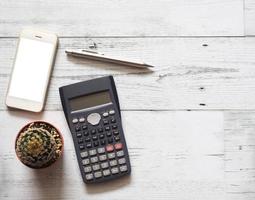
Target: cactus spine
x,y
38,145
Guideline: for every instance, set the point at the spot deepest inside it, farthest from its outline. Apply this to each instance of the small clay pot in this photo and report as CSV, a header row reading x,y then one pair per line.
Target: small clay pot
x,y
54,132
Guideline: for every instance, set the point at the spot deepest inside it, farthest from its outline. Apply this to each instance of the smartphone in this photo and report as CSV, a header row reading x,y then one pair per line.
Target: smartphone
x,y
31,70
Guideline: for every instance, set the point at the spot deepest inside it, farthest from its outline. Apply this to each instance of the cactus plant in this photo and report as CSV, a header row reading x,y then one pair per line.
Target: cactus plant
x,y
38,145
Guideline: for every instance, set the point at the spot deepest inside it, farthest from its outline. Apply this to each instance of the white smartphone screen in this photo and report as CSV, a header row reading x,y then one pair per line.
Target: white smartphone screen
x,y
31,70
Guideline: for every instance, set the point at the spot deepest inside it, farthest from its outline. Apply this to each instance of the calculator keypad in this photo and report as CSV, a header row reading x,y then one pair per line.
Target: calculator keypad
x,y
101,148
104,163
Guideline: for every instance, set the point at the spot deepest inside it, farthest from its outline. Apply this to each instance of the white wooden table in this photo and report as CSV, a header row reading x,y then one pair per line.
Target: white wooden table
x,y
189,125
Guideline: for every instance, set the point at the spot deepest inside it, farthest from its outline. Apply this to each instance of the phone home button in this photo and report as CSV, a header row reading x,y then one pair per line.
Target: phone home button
x,y
94,118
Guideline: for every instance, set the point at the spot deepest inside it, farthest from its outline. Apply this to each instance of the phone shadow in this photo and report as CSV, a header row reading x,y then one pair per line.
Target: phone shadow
x,y
109,185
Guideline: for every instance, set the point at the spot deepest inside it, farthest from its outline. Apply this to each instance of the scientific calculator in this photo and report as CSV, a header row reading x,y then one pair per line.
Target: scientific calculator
x,y
93,114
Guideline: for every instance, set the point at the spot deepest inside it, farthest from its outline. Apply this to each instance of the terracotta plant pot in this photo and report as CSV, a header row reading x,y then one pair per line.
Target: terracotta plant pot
x,y
39,144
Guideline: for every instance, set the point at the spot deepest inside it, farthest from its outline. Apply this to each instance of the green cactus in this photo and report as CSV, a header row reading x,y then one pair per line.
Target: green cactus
x,y
38,145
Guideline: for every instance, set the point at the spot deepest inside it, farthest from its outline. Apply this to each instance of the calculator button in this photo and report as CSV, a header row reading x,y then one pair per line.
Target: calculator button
x,y
115,132
94,119
94,137
109,148
104,165
87,169
102,142
82,119
85,133
96,167
92,152
96,143
105,121
98,174
115,170
75,120
89,177
102,157
105,114
85,161
101,136
123,168
81,147
111,155
107,128
122,161
101,150
84,154
84,127
78,135
110,140
109,134
114,126
94,159
113,120
80,141
120,153
111,112
100,130
113,163
118,146
93,131
106,172
87,139
117,138
77,128
89,145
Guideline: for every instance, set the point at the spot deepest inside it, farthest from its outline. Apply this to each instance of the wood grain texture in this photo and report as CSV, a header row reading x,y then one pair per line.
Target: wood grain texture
x,y
190,73
174,154
249,17
178,156
239,140
124,18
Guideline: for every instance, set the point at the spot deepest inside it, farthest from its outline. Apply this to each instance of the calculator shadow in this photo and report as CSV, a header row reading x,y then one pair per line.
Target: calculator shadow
x,y
108,185
49,182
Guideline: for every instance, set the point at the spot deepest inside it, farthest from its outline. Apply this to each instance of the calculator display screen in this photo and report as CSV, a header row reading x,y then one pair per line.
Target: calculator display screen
x,y
90,101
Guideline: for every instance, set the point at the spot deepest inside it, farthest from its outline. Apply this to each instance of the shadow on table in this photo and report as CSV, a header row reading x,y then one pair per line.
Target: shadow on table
x,y
108,186
49,182
109,66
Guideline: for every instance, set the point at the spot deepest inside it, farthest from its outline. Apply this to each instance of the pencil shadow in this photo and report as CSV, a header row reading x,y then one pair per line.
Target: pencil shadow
x,y
109,66
49,182
109,185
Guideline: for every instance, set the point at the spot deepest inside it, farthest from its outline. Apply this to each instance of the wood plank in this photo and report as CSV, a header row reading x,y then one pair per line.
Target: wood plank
x,y
190,73
178,156
124,18
249,17
239,143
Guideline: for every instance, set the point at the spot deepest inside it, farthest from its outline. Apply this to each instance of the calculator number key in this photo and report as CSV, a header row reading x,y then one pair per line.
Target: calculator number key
x,y
96,167
98,174
84,154
87,169
85,161
106,172
89,177
123,168
120,153
113,163
115,170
